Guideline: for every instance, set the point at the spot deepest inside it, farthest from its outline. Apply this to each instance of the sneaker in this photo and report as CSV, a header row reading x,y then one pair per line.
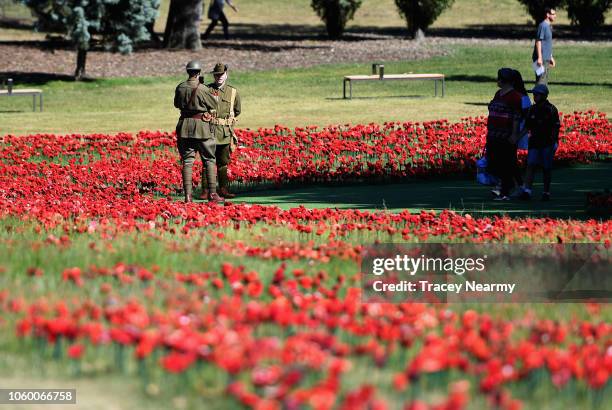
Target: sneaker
x,y
546,196
525,196
517,193
501,198
496,191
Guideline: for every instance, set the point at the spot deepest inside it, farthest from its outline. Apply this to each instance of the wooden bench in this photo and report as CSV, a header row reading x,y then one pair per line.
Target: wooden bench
x,y
25,91
380,76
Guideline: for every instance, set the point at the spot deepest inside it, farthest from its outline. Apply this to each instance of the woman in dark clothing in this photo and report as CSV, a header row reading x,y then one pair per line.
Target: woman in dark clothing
x,y
502,132
519,85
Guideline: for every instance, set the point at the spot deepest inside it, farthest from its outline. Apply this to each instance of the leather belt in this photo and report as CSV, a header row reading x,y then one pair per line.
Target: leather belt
x,y
199,116
214,121
223,121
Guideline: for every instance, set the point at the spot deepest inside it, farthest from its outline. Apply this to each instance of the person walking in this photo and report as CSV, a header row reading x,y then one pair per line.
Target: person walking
x,y
216,14
503,131
542,55
543,125
194,132
227,108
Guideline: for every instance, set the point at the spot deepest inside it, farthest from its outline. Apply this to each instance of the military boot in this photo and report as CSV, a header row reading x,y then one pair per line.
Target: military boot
x,y
214,197
204,194
211,177
224,184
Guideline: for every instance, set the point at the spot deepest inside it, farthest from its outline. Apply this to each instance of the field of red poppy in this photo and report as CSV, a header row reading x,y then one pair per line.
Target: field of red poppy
x,y
105,273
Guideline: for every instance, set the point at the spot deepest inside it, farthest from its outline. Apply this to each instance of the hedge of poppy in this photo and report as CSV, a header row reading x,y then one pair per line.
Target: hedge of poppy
x,y
280,337
134,176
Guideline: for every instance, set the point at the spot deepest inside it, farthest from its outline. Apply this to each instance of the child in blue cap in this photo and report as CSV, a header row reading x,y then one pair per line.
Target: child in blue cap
x,y
543,125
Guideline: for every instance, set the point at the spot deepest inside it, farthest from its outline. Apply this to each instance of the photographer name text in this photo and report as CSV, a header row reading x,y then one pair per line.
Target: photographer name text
x,y
427,286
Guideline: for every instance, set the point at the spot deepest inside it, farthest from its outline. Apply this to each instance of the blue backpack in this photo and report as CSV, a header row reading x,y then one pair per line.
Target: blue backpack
x,y
523,142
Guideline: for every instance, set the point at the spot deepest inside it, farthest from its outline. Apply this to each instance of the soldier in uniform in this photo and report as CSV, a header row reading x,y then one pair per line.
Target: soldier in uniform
x,y
194,131
227,109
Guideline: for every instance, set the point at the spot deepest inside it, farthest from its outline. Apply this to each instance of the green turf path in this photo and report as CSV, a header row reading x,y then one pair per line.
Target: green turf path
x,y
569,187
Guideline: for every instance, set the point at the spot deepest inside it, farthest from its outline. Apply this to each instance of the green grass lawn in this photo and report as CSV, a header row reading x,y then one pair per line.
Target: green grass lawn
x,y
463,14
382,13
297,97
460,194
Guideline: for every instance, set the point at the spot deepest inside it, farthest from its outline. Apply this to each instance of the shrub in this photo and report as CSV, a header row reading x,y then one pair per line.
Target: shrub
x,y
120,23
335,14
420,14
535,8
588,15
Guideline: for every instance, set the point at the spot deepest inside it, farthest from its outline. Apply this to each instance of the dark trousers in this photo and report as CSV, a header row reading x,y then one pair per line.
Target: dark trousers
x,y
223,155
501,156
517,175
188,147
213,24
222,158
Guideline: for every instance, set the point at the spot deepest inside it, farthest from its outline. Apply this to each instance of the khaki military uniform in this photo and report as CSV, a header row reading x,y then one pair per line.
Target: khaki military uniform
x,y
228,107
194,133
202,102
224,128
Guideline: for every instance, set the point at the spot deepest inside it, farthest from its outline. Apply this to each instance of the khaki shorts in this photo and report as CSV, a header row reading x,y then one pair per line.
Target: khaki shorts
x,y
188,147
543,79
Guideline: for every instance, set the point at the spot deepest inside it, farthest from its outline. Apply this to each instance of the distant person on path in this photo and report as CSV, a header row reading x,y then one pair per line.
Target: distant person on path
x,y
194,132
503,131
543,125
543,49
216,14
227,107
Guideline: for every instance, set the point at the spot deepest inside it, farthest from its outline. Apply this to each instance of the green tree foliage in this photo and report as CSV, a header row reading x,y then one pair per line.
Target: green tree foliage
x,y
118,23
535,8
588,15
420,14
335,14
3,6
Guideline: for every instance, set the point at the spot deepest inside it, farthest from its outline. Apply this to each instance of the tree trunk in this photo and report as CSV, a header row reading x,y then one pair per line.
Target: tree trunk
x,y
154,36
333,23
414,31
419,35
79,73
183,25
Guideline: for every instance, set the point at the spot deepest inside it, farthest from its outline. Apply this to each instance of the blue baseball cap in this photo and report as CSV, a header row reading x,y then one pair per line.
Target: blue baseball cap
x,y
539,89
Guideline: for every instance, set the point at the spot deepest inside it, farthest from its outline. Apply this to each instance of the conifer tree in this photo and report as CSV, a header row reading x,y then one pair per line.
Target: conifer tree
x,y
118,24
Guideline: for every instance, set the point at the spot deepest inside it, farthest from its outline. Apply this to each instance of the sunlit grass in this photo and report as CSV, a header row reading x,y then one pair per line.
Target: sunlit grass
x,y
298,97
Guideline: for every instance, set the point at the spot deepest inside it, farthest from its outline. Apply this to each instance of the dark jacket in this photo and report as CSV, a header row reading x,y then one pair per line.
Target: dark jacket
x,y
543,125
